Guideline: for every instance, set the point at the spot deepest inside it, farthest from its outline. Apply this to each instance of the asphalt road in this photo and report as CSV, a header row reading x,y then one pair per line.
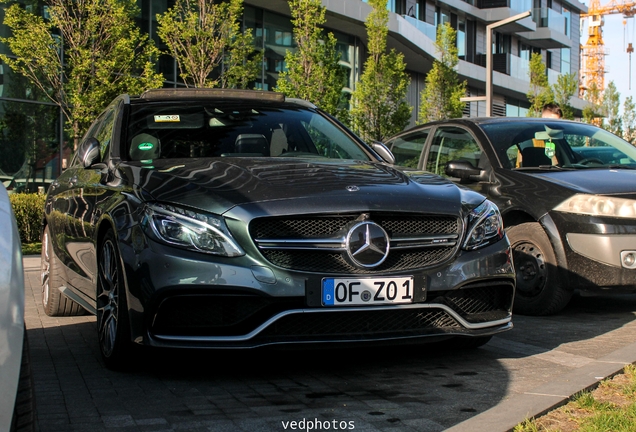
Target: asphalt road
x,y
382,389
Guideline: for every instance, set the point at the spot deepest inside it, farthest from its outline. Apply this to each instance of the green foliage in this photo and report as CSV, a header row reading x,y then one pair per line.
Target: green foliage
x,y
611,107
31,248
540,92
592,110
29,213
441,97
378,104
528,425
592,415
563,90
629,120
104,53
312,70
204,36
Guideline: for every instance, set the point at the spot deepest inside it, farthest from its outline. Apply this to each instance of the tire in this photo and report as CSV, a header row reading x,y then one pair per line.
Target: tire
x,y
53,301
539,290
24,411
113,327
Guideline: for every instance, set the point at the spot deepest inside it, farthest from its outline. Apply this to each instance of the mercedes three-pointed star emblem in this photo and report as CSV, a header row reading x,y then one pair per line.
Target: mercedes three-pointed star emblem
x,y
367,244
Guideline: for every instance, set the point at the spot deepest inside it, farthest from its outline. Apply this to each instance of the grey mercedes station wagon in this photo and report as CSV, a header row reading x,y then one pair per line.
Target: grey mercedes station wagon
x,y
239,219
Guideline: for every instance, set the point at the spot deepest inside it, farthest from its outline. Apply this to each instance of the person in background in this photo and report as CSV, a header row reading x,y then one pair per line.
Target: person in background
x,y
551,110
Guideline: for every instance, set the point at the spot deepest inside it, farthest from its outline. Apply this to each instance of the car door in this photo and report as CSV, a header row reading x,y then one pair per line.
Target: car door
x,y
80,230
61,206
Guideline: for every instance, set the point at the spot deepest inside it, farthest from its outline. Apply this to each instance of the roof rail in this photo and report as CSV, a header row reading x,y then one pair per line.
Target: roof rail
x,y
211,93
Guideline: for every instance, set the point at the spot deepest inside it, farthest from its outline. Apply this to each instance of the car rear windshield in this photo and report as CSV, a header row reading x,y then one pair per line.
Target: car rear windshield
x,y
210,129
530,145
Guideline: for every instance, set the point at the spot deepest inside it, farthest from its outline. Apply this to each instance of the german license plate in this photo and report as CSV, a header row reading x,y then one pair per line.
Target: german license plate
x,y
352,292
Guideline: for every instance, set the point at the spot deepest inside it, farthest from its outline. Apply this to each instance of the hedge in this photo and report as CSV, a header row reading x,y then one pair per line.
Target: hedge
x,y
29,211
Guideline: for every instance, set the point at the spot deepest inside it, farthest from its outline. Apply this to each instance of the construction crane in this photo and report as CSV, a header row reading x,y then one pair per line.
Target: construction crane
x,y
593,52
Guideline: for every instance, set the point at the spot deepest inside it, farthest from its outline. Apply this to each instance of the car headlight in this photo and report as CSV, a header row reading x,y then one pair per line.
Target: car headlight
x,y
598,205
191,230
485,226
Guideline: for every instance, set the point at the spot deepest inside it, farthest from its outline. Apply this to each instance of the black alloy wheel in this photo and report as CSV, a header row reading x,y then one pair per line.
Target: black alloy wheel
x,y
112,313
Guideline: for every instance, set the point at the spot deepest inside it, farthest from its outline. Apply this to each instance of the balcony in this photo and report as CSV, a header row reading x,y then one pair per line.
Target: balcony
x,y
515,67
500,62
519,68
428,29
514,5
550,31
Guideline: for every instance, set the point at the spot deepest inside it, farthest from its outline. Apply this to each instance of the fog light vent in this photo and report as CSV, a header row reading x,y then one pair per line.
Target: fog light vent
x,y
628,259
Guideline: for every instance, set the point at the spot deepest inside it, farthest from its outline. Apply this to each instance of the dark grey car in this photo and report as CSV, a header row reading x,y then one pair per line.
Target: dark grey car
x,y
225,219
566,191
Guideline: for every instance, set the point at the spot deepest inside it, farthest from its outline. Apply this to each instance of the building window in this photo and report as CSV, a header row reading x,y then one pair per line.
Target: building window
x,y
441,17
501,43
567,15
461,38
565,61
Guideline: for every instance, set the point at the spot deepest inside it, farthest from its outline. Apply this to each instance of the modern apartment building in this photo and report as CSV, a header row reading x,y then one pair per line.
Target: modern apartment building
x,y
30,124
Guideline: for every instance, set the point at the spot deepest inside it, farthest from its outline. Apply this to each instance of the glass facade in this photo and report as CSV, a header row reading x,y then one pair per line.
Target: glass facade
x,y
30,122
29,126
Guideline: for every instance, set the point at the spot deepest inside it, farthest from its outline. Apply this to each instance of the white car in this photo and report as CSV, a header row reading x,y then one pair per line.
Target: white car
x,y
17,409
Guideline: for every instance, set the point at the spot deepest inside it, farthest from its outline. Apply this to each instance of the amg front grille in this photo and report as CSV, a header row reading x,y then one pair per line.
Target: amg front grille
x,y
221,315
362,323
479,302
319,261
325,226
237,315
417,241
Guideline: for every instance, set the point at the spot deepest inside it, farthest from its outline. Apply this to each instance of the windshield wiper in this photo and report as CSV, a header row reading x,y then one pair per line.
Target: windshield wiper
x,y
545,168
618,166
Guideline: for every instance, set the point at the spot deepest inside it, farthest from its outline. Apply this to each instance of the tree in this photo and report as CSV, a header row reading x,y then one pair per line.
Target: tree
x,y
312,71
563,90
378,104
611,107
441,97
539,92
204,37
102,49
629,120
592,111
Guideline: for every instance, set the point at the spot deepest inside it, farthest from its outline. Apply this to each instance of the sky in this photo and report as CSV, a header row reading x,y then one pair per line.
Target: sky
x,y
617,61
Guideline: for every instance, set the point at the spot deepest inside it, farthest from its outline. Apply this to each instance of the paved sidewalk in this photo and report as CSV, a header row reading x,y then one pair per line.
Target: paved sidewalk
x,y
537,366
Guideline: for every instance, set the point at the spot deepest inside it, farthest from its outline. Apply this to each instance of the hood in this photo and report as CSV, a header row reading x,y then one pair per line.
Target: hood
x,y
594,181
285,185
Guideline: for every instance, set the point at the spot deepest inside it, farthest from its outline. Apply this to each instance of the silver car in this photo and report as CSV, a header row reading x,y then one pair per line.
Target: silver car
x,y
17,411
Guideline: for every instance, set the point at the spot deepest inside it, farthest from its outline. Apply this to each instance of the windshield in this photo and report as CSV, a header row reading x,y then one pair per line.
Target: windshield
x,y
553,144
245,129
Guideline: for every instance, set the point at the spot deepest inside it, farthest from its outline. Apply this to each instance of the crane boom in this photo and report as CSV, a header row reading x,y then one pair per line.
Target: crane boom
x,y
593,52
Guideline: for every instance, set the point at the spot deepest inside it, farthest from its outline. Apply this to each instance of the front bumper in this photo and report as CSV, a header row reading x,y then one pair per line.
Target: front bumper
x,y
185,299
595,249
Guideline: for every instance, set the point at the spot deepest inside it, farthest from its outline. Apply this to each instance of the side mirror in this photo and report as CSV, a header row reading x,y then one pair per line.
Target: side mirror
x,y
88,152
383,151
464,170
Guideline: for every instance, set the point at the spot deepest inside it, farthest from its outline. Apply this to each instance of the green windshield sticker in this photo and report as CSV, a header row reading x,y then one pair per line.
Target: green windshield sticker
x,y
550,149
146,146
